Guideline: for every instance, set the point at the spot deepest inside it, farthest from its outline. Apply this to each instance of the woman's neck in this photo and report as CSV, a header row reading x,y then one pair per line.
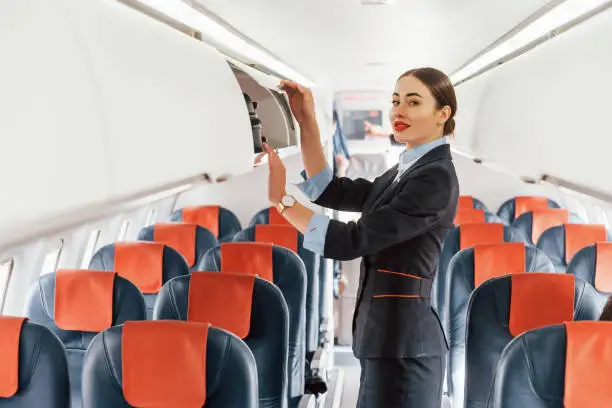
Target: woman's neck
x,y
410,146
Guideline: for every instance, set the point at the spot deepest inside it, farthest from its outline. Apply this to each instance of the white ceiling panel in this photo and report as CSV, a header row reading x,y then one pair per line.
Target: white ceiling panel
x,y
345,45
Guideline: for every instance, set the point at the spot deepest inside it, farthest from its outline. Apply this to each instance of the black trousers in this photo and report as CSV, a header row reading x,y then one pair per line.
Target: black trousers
x,y
401,382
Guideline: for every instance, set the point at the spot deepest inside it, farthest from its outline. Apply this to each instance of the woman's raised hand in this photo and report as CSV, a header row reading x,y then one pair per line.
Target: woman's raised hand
x,y
300,101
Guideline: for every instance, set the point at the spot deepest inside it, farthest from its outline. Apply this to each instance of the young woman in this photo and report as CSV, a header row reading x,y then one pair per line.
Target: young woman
x,y
406,214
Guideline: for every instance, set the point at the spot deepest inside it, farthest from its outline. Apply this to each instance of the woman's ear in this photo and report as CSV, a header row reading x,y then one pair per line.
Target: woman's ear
x,y
445,113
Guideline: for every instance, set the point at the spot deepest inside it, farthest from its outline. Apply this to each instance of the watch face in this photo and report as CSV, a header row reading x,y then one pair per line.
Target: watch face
x,y
288,201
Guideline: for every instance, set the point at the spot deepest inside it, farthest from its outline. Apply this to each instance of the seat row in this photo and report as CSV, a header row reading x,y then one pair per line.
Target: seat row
x,y
470,209
271,318
484,300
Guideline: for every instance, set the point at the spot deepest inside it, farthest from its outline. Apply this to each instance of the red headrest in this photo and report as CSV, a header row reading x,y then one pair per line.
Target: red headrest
x,y
141,263
469,215
603,266
492,261
540,299
164,363
181,237
547,218
253,258
206,216
281,235
480,234
578,236
223,299
588,364
84,300
526,203
10,333
275,218
466,202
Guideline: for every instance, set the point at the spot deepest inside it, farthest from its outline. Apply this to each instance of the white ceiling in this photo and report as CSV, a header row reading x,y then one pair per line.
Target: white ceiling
x,y
340,43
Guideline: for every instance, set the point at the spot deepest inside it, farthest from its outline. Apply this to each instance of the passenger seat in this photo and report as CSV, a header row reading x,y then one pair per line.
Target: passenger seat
x,y
467,271
76,305
504,308
562,242
168,363
532,224
513,208
563,366
190,240
468,201
286,270
223,223
474,215
593,264
148,265
34,370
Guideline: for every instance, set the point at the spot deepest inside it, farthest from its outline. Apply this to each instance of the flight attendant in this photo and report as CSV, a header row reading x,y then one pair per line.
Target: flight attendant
x,y
406,214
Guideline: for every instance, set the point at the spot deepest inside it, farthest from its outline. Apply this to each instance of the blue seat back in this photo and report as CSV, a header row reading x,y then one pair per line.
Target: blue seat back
x,y
311,262
463,237
173,264
42,372
562,242
190,240
128,304
231,373
289,275
463,277
268,333
594,265
225,222
503,308
533,223
560,366
509,210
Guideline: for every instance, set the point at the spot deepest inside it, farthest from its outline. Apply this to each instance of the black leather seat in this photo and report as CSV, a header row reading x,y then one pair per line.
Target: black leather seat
x,y
190,240
149,265
271,233
249,307
169,364
101,307
286,270
533,223
562,366
468,201
593,264
34,370
562,242
223,223
468,269
504,308
463,237
513,208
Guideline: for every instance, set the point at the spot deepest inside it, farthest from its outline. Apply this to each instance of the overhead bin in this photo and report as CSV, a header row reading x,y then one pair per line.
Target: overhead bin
x,y
271,107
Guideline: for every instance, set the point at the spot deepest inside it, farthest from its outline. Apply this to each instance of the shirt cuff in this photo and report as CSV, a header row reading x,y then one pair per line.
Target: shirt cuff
x,y
314,238
314,186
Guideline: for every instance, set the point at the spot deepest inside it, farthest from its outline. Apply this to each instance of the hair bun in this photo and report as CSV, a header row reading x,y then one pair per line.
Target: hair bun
x,y
449,127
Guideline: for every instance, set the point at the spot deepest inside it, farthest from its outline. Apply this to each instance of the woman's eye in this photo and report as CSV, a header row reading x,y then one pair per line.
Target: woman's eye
x,y
413,103
395,103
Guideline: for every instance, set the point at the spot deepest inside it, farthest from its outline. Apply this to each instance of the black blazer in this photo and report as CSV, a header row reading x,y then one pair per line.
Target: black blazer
x,y
399,236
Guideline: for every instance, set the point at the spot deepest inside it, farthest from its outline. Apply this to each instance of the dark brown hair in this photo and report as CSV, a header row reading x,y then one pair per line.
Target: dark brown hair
x,y
442,90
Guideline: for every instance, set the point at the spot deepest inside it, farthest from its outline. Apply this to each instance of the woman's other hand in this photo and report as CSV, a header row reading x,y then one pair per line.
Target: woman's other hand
x,y
301,102
277,179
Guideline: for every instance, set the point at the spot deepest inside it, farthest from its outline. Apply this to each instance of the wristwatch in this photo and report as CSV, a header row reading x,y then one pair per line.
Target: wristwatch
x,y
287,201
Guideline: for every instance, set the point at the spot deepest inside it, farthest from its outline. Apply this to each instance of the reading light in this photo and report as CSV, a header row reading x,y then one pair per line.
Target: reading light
x,y
181,11
553,19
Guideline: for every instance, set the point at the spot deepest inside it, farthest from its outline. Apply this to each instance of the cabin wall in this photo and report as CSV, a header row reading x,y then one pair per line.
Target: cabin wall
x,y
547,111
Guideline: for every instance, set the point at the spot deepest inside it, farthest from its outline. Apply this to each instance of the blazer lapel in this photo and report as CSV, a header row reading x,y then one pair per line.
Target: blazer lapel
x,y
438,153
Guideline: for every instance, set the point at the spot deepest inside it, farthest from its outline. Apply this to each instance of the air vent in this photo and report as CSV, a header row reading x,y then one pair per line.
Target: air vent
x,y
377,2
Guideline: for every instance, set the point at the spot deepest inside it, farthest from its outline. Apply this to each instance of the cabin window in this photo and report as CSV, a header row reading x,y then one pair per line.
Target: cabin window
x,y
125,226
92,243
151,217
52,259
6,270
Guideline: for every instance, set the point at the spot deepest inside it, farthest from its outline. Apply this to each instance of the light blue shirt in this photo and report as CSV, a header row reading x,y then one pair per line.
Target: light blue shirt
x,y
314,238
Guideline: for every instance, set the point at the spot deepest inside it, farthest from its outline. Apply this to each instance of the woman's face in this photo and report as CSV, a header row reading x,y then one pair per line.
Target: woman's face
x,y
414,115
